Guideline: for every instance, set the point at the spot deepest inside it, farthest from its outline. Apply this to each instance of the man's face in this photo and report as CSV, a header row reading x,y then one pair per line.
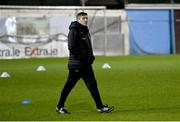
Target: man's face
x,y
83,20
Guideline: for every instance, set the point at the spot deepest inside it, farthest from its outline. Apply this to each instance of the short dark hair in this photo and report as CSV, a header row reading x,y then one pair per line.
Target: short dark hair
x,y
81,14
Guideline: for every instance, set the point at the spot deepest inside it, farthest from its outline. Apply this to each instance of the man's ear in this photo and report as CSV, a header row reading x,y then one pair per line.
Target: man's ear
x,y
78,18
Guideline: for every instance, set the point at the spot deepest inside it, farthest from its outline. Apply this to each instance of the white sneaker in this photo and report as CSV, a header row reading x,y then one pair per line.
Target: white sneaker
x,y
105,109
62,111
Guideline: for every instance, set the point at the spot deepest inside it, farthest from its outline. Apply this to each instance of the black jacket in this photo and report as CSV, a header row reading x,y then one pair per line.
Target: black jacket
x,y
79,45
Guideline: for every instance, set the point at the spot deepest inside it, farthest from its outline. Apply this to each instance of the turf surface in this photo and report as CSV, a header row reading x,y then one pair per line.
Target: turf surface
x,y
140,88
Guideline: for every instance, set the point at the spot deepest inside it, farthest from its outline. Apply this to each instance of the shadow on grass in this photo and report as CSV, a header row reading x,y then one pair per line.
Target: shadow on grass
x,y
81,107
151,110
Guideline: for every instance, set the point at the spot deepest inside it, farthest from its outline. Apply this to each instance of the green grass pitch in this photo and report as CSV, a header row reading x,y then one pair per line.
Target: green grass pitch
x,y
139,87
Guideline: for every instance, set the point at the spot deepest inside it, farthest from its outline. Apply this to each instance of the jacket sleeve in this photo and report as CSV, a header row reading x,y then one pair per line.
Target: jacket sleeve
x,y
73,43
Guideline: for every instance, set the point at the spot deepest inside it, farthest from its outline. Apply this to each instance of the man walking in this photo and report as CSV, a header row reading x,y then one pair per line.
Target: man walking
x,y
80,64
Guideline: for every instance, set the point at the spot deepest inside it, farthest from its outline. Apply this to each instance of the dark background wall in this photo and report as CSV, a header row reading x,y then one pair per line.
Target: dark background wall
x,y
109,3
40,2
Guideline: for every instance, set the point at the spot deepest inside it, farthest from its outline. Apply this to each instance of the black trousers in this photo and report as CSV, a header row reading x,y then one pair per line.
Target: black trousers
x,y
87,74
